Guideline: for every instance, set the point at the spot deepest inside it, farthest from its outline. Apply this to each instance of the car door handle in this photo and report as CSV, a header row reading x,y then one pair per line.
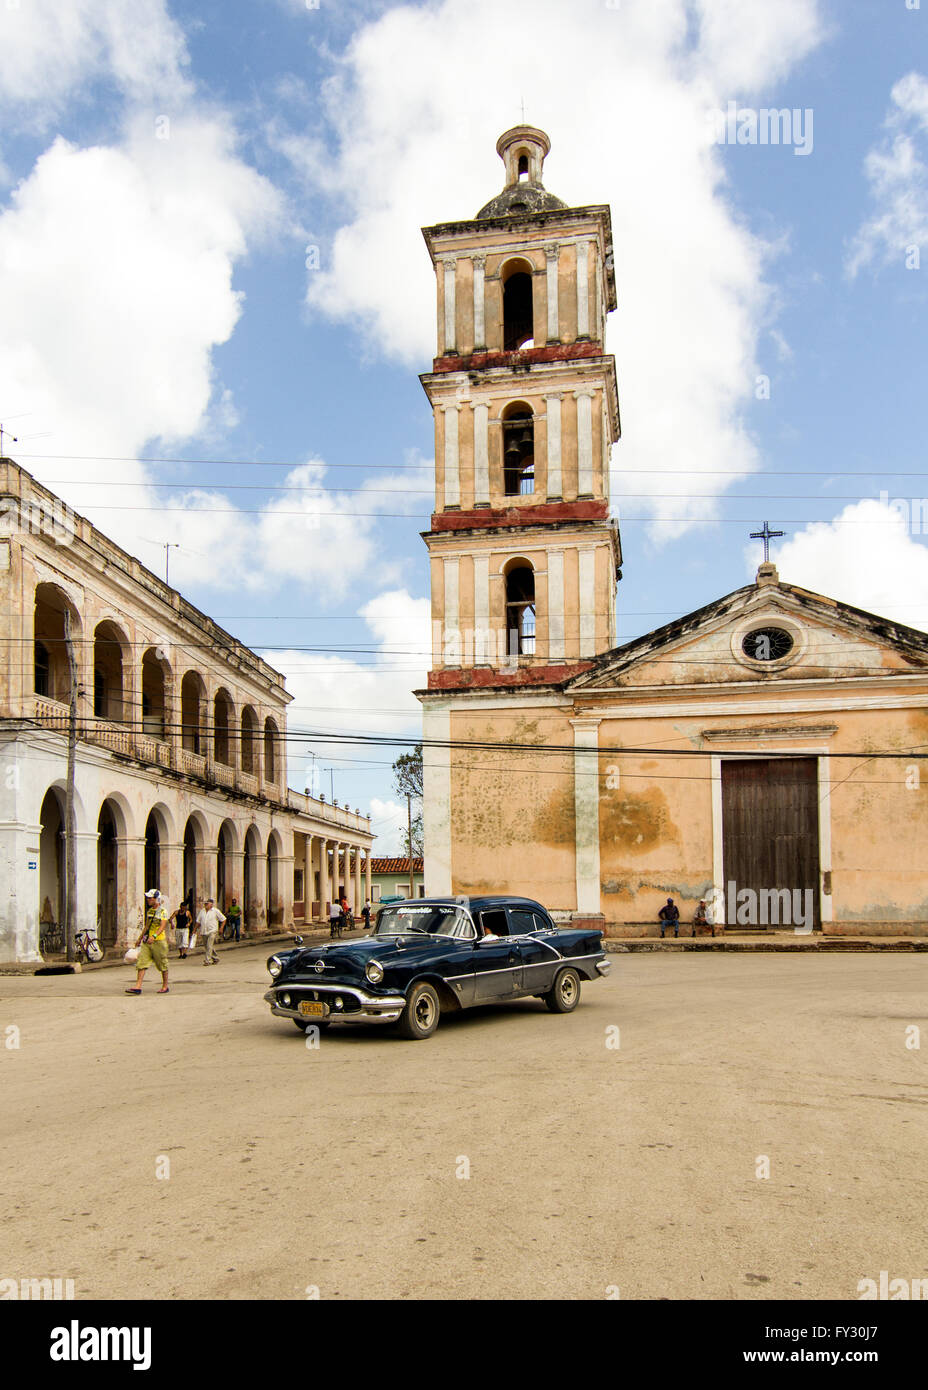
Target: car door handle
x,y
512,958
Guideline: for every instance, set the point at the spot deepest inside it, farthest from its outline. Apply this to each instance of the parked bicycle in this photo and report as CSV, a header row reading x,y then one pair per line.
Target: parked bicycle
x,y
51,939
87,947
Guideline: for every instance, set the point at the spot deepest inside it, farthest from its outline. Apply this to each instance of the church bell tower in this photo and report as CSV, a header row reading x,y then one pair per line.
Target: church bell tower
x,y
524,555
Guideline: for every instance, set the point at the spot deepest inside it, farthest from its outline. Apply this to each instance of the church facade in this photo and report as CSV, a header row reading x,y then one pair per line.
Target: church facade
x,y
764,753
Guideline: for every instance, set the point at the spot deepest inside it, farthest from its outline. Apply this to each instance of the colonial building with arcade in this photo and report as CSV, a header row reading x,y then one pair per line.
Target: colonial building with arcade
x,y
180,776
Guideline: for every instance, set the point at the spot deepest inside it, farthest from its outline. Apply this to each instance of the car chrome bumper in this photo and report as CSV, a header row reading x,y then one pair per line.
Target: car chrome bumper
x,y
373,1008
604,966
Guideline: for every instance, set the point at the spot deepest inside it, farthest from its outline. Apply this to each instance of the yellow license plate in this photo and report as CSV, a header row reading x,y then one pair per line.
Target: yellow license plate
x,y
310,1008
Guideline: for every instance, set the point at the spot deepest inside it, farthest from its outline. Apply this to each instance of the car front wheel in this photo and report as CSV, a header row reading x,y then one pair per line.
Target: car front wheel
x,y
564,995
420,1017
303,1024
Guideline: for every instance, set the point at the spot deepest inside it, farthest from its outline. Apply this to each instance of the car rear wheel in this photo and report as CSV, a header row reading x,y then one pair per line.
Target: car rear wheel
x,y
564,995
420,1017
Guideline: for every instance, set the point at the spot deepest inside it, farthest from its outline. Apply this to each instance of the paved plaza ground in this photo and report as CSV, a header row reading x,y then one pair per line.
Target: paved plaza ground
x,y
515,1154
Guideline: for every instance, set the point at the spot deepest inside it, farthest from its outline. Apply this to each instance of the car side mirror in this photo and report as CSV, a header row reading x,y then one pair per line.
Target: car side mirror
x,y
298,940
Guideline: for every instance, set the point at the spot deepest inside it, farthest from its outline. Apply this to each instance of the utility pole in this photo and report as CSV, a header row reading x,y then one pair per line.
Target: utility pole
x,y
168,547
70,826
409,838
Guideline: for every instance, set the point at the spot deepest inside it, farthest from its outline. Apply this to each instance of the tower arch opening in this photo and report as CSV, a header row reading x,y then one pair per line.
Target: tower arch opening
x,y
518,450
518,305
520,608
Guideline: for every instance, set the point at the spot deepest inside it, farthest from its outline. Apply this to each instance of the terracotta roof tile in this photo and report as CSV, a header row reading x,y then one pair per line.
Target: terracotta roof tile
x,y
395,865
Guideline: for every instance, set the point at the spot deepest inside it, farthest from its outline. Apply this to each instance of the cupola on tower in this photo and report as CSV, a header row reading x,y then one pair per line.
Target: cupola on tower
x,y
524,556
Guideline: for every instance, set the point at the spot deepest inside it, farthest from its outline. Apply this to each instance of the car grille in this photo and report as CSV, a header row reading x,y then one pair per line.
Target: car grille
x,y
350,1005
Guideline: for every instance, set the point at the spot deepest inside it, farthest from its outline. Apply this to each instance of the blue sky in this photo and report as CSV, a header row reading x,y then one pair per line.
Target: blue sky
x,y
210,251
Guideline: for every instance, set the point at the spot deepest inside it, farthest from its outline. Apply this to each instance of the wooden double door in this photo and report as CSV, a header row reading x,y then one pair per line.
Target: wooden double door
x,y
770,840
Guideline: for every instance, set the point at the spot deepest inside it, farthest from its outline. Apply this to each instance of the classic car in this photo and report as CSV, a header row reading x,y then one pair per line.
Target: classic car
x,y
432,955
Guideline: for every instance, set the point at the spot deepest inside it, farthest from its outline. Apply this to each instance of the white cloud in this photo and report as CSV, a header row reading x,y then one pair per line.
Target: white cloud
x,y
897,172
389,823
117,266
365,698
867,556
749,46
309,534
691,295
117,281
54,49
116,275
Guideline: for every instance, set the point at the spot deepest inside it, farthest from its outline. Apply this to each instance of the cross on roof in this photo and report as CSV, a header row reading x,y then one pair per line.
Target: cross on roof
x,y
766,536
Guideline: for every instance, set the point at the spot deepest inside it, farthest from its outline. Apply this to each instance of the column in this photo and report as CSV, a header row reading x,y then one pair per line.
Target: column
x,y
308,878
483,644
480,331
205,871
555,486
583,288
451,647
555,605
367,876
436,779
284,904
85,855
452,497
235,863
450,313
584,399
20,901
323,876
356,879
481,455
551,254
258,918
586,818
586,586
131,887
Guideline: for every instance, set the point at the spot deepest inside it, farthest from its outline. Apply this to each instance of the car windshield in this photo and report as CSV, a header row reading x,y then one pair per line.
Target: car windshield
x,y
433,919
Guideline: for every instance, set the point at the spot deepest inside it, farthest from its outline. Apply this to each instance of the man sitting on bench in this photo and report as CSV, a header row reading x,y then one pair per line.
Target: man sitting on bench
x,y
668,914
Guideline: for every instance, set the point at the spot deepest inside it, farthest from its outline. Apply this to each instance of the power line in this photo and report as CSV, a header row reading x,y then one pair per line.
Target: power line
x,y
180,486
290,736
414,467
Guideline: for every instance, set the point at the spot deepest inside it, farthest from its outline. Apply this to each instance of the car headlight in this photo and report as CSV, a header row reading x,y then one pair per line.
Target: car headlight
x,y
274,967
374,971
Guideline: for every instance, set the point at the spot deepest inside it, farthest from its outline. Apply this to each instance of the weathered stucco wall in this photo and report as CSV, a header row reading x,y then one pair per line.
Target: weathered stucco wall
x,y
512,820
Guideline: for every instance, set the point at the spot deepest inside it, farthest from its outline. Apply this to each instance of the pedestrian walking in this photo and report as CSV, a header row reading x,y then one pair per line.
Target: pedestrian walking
x,y
366,914
334,915
344,914
235,920
182,917
209,920
669,914
153,941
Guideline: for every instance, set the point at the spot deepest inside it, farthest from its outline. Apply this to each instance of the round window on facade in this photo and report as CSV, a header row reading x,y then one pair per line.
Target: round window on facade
x,y
767,644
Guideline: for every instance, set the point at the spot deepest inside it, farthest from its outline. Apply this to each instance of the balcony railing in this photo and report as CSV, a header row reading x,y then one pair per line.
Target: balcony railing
x,y
52,714
114,736
149,748
192,763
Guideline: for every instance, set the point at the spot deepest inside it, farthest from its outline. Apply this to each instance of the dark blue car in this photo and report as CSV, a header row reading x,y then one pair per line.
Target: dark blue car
x,y
430,955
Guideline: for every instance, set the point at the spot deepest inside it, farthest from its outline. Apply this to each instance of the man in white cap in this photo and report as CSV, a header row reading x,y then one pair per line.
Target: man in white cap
x,y
153,941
